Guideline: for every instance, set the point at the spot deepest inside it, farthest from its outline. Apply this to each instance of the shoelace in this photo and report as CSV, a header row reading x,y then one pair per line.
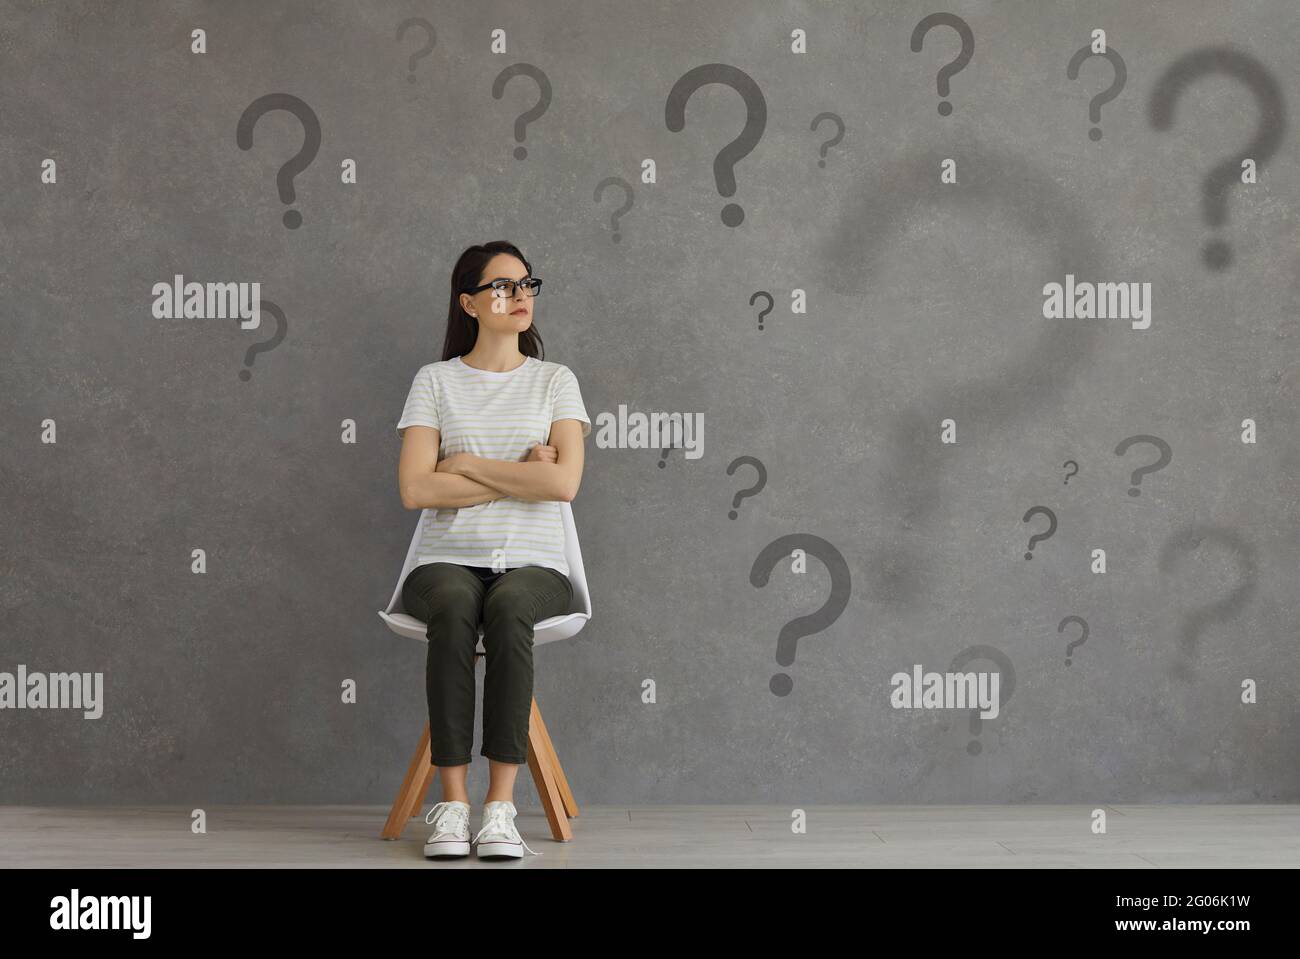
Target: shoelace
x,y
457,814
499,820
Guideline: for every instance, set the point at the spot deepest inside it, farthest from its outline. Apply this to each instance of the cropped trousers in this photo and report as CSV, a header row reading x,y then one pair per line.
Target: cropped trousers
x,y
453,600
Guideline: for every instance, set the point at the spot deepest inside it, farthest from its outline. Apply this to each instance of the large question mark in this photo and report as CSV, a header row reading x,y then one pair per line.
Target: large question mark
x,y
1039,537
1006,686
751,491
833,140
1068,475
1166,454
423,51
1060,628
543,99
770,303
281,328
1110,93
627,188
967,49
1216,253
1188,540
724,163
299,161
814,622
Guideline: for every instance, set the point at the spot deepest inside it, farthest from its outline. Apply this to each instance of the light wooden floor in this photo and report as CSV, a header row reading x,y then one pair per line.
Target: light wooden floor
x,y
1138,837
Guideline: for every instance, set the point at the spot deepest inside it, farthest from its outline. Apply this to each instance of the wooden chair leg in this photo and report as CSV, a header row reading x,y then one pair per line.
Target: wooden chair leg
x,y
570,805
542,765
415,786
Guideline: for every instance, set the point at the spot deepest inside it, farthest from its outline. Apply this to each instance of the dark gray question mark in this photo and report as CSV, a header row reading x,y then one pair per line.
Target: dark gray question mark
x,y
1188,540
1060,628
1006,686
833,140
770,303
751,491
299,161
627,188
281,328
1110,93
967,49
1068,475
543,99
814,622
423,51
724,163
1166,454
1240,66
1039,537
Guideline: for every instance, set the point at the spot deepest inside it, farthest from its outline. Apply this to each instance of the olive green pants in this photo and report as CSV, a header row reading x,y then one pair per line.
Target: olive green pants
x,y
453,600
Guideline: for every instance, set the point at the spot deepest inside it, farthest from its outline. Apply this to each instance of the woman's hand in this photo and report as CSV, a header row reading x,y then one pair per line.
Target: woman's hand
x,y
455,463
542,454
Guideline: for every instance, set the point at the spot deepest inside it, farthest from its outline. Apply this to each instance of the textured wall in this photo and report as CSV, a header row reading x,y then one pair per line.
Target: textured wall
x,y
924,303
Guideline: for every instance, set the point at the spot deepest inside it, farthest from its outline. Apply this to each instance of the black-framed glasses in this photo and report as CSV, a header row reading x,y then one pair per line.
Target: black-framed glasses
x,y
530,284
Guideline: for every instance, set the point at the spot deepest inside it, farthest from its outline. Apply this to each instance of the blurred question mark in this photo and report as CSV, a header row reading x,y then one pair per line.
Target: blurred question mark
x,y
1039,537
724,163
751,491
1078,642
299,161
423,51
1166,454
281,328
1110,93
543,99
833,140
1068,475
770,303
1006,686
627,188
1188,540
967,49
814,622
1240,66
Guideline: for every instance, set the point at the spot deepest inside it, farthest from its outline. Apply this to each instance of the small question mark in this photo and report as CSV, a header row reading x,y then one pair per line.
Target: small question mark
x,y
1078,642
770,303
724,164
543,99
833,140
281,328
1110,93
1006,686
814,622
1068,475
1217,254
967,49
1039,537
627,188
299,161
1166,454
1187,540
423,51
751,491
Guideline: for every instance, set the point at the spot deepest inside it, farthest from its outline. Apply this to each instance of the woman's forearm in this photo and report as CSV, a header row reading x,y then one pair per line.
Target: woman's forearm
x,y
441,490
532,480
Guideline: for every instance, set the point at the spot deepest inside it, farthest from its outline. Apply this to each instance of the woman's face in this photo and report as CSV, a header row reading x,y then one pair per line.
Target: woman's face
x,y
497,311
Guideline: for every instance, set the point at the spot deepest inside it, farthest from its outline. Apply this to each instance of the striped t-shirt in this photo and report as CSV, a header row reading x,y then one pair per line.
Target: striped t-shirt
x,y
497,416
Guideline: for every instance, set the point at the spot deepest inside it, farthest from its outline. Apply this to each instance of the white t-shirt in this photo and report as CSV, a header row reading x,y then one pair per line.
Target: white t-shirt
x,y
496,416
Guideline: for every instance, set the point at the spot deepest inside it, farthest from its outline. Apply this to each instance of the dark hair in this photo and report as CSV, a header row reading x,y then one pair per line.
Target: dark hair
x,y
462,329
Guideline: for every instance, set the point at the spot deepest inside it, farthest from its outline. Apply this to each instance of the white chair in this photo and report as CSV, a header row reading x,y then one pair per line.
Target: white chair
x,y
548,776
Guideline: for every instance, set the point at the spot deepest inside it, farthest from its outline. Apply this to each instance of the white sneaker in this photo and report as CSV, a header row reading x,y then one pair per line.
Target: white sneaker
x,y
450,830
498,838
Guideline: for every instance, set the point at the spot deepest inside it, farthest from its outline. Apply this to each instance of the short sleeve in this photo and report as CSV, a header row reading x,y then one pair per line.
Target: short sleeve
x,y
421,403
568,400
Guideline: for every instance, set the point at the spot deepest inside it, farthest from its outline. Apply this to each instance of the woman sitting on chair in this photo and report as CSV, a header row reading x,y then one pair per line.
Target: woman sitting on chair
x,y
476,453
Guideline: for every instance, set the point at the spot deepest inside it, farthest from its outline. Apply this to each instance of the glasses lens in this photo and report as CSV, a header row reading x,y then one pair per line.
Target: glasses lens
x,y
507,287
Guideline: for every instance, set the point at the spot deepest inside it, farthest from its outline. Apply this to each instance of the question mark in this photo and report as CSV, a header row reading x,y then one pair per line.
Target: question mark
x,y
1187,540
724,163
299,161
1166,454
1006,685
1217,254
963,58
1068,475
1078,642
627,187
281,328
433,38
543,99
834,140
770,303
814,622
1039,537
1110,93
751,491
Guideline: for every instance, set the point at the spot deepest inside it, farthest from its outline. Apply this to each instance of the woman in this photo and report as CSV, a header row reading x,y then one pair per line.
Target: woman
x,y
476,453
